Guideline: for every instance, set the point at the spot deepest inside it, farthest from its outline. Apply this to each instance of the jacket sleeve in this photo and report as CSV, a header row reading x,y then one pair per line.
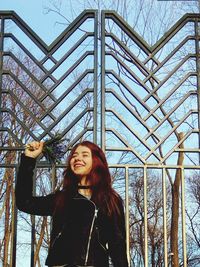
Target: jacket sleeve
x,y
25,201
117,239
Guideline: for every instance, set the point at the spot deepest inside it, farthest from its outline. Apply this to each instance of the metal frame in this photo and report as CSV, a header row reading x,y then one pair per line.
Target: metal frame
x,y
121,73
107,50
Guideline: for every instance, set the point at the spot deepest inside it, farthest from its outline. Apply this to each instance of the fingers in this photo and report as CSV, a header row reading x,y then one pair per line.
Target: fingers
x,y
34,149
34,145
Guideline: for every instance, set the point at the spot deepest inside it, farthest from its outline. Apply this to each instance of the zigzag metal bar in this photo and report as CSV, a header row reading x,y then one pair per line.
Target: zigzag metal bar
x,y
152,131
173,52
128,147
26,51
145,71
130,109
6,129
72,68
152,93
166,117
48,75
48,111
73,123
47,93
59,40
68,110
149,74
36,100
139,81
127,29
175,148
49,51
79,136
66,55
117,80
79,79
134,95
153,110
36,119
140,42
171,131
128,127
190,17
6,110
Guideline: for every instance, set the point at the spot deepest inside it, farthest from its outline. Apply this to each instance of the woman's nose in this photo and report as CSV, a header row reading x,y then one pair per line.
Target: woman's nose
x,y
77,158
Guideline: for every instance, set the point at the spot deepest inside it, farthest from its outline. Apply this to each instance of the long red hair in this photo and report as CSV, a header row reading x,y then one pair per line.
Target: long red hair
x,y
103,195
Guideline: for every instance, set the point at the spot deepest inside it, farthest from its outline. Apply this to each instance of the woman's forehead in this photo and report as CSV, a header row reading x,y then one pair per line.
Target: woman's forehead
x,y
82,149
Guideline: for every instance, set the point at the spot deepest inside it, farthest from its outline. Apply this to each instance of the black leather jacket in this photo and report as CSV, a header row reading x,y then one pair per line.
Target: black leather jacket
x,y
82,234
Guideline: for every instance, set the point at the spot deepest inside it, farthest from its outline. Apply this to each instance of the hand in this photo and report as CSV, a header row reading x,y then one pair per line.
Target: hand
x,y
34,149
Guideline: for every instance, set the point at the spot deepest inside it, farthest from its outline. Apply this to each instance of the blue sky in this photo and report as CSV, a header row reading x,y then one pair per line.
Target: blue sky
x,y
32,12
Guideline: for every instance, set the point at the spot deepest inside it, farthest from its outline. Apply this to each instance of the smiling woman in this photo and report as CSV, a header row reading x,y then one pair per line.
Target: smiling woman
x,y
81,162
88,214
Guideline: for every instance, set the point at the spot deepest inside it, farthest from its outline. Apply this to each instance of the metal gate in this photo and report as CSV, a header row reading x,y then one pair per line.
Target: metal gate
x,y
140,103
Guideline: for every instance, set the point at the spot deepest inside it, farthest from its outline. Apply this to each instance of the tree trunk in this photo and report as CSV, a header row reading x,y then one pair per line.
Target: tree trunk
x,y
175,208
39,244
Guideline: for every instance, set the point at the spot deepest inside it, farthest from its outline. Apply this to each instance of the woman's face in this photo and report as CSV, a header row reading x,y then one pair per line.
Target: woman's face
x,y
81,161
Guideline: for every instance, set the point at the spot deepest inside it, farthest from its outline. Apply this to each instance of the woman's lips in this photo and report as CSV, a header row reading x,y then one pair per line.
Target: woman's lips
x,y
79,165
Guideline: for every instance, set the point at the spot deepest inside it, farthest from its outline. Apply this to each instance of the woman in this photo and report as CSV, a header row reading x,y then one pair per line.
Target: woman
x,y
88,218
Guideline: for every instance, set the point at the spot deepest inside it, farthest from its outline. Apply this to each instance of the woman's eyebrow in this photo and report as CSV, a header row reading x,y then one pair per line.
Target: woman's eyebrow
x,y
85,152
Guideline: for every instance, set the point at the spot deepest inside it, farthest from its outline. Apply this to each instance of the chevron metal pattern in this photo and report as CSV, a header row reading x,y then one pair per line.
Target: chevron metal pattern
x,y
58,80
151,92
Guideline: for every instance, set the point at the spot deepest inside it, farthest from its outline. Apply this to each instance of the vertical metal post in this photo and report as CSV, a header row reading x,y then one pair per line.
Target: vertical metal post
x,y
103,81
197,34
127,213
14,232
183,218
145,219
14,238
95,74
53,184
14,210
2,26
32,240
164,217
33,224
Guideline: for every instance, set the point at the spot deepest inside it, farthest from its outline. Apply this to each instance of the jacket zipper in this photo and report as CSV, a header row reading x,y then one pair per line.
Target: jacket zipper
x,y
100,242
57,236
90,235
91,229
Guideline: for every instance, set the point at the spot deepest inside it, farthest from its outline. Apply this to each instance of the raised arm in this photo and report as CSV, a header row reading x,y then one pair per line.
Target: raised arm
x,y
25,201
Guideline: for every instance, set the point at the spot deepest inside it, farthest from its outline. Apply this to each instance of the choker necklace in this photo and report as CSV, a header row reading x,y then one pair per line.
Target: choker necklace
x,y
84,186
